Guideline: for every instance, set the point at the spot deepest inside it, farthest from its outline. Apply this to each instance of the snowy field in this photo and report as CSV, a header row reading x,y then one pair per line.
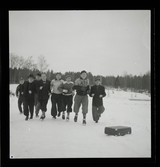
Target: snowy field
x,y
60,139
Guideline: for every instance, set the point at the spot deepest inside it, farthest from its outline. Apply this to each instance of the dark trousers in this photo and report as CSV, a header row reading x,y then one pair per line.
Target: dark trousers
x,y
67,102
20,102
56,100
43,104
29,107
96,112
36,103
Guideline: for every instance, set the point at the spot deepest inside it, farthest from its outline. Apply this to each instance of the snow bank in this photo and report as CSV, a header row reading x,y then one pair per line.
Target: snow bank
x,y
60,139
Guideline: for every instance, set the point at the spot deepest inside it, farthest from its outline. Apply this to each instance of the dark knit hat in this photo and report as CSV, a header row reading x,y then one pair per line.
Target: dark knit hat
x,y
58,73
83,72
68,76
38,74
97,78
31,76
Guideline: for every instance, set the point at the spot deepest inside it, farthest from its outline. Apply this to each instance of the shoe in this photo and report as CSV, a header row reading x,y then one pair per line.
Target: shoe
x,y
96,121
42,117
26,118
84,122
37,115
59,113
75,118
31,117
67,118
63,116
54,117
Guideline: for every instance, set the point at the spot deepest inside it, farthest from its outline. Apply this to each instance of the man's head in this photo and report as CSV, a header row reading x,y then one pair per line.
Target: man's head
x,y
44,76
58,76
68,78
38,76
21,81
30,78
83,74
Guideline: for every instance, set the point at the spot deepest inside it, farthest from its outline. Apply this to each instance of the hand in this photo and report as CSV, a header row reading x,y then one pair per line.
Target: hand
x,y
30,91
49,94
73,93
22,93
65,90
41,87
92,94
100,96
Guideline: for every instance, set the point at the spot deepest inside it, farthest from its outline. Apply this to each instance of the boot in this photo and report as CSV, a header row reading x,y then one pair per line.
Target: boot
x,y
63,115
59,113
67,117
26,118
84,122
75,118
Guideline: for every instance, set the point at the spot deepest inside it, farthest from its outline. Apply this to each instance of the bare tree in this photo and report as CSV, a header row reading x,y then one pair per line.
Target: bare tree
x,y
14,60
42,64
29,63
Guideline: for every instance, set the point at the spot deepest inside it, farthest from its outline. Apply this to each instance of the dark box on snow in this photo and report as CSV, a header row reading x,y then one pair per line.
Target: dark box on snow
x,y
117,130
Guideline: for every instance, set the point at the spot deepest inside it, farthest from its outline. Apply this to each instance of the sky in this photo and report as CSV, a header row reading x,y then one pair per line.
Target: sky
x,y
103,42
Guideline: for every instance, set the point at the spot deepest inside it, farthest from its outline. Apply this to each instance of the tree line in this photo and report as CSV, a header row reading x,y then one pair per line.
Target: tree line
x,y
20,67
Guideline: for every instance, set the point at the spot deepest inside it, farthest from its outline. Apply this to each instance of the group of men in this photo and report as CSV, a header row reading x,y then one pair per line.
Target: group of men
x,y
36,92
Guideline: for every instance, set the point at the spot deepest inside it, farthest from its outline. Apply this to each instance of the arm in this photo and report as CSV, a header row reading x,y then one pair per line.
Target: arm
x,y
103,94
17,90
76,85
91,92
60,87
51,85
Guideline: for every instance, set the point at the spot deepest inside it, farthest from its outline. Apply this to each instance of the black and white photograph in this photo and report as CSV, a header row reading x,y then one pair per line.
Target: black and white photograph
x,y
80,84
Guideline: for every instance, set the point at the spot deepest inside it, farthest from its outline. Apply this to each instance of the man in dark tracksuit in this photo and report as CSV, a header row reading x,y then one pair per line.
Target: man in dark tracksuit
x,y
97,92
29,90
43,94
19,94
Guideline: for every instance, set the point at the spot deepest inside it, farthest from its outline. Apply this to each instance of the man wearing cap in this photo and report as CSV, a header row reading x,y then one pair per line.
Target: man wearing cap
x,y
36,102
97,92
67,96
56,98
19,94
29,90
82,88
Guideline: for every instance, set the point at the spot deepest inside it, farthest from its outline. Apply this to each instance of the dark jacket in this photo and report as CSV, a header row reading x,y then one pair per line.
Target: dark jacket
x,y
43,94
20,90
97,90
81,86
29,87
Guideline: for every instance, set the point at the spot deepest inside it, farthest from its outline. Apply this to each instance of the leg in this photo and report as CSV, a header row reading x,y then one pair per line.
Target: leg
x,y
101,109
26,110
69,103
31,108
85,105
77,103
19,104
54,108
59,102
94,110
64,103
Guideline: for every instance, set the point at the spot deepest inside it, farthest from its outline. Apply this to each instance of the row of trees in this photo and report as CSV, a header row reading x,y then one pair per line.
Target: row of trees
x,y
20,67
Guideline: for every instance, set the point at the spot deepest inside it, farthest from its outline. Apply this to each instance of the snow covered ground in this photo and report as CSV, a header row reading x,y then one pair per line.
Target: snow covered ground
x,y
60,139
